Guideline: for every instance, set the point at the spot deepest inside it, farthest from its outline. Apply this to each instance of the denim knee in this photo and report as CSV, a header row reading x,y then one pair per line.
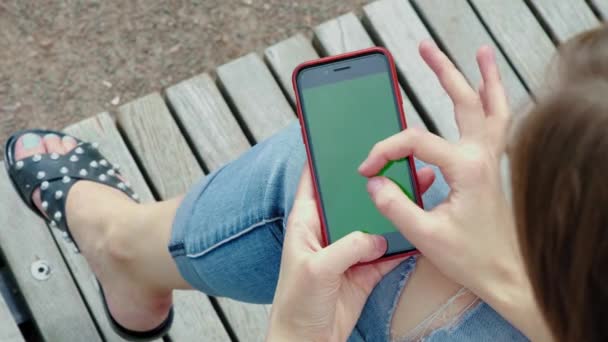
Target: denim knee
x,y
228,232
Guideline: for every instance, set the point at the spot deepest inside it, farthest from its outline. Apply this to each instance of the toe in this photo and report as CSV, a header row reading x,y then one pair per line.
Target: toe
x,y
53,144
69,143
27,145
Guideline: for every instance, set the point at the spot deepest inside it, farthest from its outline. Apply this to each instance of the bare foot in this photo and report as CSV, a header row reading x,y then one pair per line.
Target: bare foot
x,y
99,218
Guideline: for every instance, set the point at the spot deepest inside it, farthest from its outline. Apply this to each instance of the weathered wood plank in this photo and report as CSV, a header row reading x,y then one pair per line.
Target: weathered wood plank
x,y
565,19
9,331
55,303
248,321
205,117
172,169
284,56
196,319
253,92
340,35
521,37
159,145
346,34
101,129
395,24
461,33
601,6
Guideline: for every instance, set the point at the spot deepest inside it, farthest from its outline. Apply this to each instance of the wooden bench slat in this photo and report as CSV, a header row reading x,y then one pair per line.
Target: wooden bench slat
x,y
342,34
101,129
521,37
461,33
565,18
253,92
55,303
283,58
205,117
9,331
346,34
396,26
171,167
196,318
159,145
601,6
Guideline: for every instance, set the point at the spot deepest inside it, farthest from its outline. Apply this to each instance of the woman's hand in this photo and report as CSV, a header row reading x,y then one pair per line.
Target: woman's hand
x,y
466,236
319,295
470,237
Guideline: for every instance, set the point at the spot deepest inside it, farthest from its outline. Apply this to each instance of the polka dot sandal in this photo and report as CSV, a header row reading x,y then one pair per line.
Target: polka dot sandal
x,y
55,174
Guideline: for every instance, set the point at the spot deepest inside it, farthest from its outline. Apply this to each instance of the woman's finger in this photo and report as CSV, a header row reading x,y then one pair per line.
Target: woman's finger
x,y
305,188
450,78
465,99
423,145
494,96
482,95
304,220
364,274
350,250
390,200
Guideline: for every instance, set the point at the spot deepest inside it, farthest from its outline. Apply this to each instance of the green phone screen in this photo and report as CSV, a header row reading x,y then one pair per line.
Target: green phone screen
x,y
345,117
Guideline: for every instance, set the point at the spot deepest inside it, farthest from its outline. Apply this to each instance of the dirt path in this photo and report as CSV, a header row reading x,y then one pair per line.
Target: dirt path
x,y
63,61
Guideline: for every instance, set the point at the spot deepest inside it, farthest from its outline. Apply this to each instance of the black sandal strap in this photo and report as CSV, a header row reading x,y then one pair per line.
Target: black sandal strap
x,y
34,170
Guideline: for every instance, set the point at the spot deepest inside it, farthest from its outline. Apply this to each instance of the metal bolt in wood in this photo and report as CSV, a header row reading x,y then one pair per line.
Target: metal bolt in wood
x,y
41,270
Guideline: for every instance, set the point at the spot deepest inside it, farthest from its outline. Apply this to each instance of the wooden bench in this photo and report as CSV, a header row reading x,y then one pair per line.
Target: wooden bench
x,y
166,141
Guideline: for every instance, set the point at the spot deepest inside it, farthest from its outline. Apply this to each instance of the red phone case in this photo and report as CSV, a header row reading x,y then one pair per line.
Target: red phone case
x,y
344,56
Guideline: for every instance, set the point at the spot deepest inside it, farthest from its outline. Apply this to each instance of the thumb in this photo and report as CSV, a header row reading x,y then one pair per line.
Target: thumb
x,y
390,200
350,250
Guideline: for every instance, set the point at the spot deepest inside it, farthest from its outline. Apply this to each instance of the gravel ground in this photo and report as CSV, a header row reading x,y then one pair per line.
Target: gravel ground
x,y
63,61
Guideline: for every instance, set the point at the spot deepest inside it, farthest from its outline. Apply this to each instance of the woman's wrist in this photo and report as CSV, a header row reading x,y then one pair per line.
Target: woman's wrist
x,y
510,293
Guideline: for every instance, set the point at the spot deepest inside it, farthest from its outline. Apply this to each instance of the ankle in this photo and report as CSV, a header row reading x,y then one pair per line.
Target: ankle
x,y
118,244
95,213
123,234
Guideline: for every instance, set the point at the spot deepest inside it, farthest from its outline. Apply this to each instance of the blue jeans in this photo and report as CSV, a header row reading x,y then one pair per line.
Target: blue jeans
x,y
228,234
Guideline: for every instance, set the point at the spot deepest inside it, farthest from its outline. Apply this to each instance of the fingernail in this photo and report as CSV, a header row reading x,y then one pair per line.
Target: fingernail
x,y
30,140
50,136
380,243
375,184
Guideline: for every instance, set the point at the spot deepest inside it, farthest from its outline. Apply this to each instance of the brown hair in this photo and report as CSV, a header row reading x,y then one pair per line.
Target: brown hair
x,y
560,192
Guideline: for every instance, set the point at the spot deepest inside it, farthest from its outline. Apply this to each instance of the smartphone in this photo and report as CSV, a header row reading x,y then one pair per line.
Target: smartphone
x,y
346,104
